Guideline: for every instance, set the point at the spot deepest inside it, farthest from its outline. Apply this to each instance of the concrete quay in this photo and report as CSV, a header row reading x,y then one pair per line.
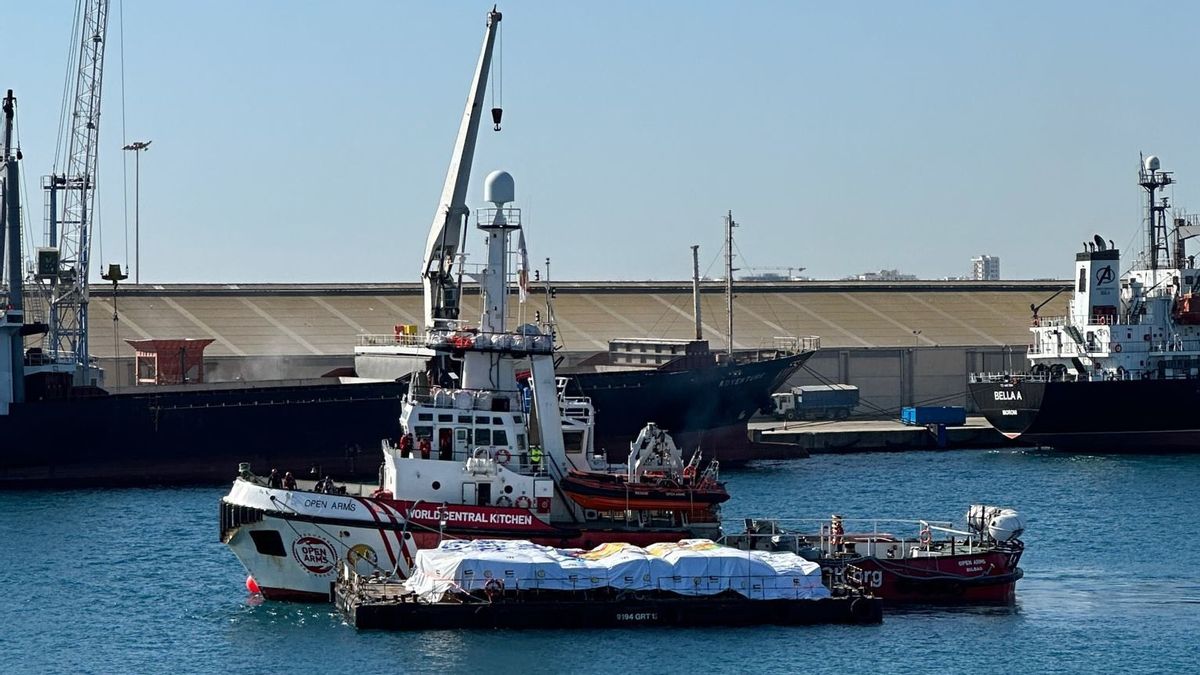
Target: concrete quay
x,y
792,440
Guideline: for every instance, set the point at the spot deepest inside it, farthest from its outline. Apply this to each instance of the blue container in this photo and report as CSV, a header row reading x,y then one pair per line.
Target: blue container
x,y
951,416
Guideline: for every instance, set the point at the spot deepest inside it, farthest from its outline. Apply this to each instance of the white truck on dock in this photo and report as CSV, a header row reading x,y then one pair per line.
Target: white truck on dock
x,y
815,401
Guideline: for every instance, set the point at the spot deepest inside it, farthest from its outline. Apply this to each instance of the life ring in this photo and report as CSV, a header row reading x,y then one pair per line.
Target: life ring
x,y
382,494
503,456
1036,322
1117,348
926,536
523,502
504,500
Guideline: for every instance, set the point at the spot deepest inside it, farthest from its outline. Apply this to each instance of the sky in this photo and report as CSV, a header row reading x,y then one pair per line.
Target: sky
x,y
306,141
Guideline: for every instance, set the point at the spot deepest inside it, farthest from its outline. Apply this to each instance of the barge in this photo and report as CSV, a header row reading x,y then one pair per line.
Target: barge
x,y
516,584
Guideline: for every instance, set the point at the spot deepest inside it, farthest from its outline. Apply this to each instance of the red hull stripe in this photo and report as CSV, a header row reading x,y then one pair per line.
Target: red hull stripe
x,y
393,514
382,533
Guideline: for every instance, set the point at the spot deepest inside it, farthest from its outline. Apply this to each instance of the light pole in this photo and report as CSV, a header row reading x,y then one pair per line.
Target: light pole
x,y
137,147
916,338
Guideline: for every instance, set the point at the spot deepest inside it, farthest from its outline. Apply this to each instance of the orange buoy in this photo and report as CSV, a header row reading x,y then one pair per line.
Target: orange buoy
x,y
252,585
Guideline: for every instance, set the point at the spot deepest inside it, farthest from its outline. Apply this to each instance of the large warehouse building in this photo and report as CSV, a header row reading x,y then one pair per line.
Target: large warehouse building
x,y
900,342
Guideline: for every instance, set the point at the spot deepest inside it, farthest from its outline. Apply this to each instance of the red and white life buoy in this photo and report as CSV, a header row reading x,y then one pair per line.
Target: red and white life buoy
x,y
523,502
503,456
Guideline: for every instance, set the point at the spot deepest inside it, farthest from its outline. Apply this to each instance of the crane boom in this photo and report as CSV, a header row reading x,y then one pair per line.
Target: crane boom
x,y
70,234
447,231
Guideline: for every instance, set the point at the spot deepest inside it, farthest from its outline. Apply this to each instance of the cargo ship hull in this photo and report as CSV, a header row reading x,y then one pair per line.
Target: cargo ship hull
x,y
1117,416
198,434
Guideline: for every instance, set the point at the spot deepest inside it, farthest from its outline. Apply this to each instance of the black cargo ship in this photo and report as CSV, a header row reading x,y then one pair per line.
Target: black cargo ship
x,y
1117,416
198,433
1120,372
704,400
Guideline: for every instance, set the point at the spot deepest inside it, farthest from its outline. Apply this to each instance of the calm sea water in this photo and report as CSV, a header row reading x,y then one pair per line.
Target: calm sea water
x,y
135,581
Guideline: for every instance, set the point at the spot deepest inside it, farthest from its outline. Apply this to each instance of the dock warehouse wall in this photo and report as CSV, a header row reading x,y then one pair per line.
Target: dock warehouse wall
x,y
887,378
901,342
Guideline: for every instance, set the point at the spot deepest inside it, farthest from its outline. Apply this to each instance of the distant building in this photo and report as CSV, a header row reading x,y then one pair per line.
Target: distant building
x,y
883,275
985,268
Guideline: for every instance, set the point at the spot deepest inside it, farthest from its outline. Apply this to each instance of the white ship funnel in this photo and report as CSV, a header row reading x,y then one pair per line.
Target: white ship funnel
x,y
1097,285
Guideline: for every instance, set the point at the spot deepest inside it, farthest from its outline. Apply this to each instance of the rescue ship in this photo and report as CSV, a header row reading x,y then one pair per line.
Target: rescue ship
x,y
479,458
705,399
1119,372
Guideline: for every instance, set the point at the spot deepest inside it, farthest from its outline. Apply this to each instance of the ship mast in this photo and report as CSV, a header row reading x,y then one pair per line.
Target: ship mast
x,y
442,289
729,225
1152,179
696,290
12,311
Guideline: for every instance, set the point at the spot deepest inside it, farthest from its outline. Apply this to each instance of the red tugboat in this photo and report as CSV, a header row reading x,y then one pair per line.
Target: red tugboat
x,y
940,565
656,480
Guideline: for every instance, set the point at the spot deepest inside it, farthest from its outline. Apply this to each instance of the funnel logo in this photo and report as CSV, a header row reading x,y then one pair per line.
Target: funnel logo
x,y
1104,275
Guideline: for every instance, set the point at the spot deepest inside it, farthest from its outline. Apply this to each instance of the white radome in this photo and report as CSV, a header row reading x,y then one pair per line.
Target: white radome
x,y
1152,163
499,188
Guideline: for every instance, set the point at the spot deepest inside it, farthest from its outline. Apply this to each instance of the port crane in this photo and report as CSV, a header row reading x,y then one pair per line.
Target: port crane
x,y
62,264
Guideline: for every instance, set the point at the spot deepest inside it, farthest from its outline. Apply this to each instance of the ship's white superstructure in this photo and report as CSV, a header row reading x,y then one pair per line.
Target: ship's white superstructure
x,y
1143,323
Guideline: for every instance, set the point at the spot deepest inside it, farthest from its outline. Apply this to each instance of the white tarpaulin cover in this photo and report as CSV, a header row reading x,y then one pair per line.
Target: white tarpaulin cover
x,y
689,567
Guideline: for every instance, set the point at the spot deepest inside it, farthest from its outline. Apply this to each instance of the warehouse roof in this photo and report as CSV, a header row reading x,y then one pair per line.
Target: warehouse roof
x,y
325,319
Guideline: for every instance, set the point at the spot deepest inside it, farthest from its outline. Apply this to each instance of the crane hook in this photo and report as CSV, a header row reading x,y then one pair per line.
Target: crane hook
x,y
497,113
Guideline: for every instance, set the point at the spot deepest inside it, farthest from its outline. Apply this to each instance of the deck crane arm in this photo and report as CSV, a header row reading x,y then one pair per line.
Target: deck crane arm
x,y
446,234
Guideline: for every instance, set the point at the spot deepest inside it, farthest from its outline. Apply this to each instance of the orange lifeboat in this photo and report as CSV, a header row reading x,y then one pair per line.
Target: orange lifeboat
x,y
614,492
1187,309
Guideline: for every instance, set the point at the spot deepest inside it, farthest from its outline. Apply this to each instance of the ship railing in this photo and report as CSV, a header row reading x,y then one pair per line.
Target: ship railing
x,y
1099,320
792,343
390,340
1000,377
462,399
501,341
873,534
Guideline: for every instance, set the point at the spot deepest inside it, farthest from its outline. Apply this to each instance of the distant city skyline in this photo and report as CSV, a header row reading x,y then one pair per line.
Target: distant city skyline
x,y
306,142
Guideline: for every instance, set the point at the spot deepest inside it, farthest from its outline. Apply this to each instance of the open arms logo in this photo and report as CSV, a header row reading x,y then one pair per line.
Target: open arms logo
x,y
1105,275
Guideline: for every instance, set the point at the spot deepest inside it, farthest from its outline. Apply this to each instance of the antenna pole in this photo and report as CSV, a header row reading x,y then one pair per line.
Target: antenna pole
x,y
696,289
729,225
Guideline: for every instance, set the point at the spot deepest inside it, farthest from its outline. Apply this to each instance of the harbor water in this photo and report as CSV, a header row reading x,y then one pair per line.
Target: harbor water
x,y
135,581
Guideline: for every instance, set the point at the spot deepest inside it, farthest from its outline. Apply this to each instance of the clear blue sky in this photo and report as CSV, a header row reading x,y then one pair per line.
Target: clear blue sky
x,y
307,141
